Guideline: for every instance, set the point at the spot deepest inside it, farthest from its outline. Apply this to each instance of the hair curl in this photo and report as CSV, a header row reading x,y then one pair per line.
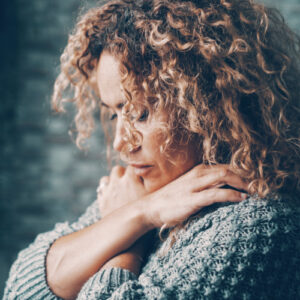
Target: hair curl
x,y
227,71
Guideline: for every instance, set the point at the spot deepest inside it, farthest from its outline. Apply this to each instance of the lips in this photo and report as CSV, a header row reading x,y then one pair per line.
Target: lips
x,y
141,170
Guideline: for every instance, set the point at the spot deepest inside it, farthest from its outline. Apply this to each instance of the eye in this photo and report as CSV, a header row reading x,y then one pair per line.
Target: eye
x,y
113,116
144,116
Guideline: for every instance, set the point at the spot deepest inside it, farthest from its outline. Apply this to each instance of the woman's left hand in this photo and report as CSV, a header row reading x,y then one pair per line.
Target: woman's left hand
x,y
202,186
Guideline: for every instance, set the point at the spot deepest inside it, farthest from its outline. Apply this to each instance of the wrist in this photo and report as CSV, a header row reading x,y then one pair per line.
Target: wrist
x,y
144,210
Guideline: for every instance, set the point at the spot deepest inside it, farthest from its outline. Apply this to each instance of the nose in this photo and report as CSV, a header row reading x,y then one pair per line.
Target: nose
x,y
119,141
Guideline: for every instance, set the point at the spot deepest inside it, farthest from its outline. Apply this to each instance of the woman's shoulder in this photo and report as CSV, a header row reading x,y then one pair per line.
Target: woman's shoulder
x,y
241,249
274,220
252,212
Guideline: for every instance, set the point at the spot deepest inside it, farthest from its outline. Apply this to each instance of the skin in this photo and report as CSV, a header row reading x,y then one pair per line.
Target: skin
x,y
160,170
135,199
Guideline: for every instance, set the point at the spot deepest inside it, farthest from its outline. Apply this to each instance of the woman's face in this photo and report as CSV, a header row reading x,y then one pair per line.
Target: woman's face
x,y
155,168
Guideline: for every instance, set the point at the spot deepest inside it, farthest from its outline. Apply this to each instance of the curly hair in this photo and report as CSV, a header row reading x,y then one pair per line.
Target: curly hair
x,y
227,72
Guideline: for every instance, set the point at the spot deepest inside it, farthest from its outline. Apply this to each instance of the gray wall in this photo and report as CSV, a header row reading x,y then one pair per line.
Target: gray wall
x,y
44,178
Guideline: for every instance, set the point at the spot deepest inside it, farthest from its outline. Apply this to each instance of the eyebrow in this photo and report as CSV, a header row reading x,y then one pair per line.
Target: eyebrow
x,y
104,104
119,106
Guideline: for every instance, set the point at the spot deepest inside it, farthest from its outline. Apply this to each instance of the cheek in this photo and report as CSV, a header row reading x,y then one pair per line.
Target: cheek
x,y
178,162
171,165
152,142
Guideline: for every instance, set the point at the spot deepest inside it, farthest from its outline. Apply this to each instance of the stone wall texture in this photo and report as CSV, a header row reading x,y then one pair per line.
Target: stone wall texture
x,y
44,178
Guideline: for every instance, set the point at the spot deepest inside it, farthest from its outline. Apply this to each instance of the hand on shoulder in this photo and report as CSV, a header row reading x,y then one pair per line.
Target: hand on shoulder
x,y
199,187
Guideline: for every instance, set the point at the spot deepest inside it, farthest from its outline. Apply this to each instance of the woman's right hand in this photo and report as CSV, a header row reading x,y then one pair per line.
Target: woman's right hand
x,y
186,195
122,186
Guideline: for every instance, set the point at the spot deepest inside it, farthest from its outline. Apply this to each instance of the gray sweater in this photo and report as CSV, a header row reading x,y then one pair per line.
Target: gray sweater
x,y
247,250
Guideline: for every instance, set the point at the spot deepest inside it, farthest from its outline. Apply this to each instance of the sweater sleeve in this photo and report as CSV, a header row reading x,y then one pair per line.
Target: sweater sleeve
x,y
27,278
244,251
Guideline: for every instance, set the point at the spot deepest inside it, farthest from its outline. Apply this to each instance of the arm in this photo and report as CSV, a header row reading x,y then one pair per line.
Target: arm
x,y
27,278
128,213
212,178
133,258
73,258
244,251
78,250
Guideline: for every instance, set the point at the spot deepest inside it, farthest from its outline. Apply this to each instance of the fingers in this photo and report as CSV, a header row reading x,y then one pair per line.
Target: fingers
x,y
211,196
103,182
121,173
216,176
117,171
104,179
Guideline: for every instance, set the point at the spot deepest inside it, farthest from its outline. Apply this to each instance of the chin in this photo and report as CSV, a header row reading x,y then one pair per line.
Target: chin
x,y
150,186
153,185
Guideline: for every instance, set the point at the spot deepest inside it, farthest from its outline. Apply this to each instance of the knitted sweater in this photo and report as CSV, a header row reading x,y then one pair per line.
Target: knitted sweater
x,y
246,250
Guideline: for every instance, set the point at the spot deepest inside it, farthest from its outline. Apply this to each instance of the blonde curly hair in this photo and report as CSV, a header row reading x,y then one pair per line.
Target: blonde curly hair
x,y
227,72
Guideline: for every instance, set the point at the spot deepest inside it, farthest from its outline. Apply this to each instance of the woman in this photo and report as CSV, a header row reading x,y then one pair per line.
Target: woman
x,y
203,98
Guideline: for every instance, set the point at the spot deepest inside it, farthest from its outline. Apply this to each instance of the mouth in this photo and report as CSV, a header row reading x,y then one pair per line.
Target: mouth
x,y
141,170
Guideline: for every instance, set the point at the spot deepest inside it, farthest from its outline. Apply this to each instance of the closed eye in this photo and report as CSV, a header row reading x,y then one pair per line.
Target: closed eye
x,y
144,116
113,116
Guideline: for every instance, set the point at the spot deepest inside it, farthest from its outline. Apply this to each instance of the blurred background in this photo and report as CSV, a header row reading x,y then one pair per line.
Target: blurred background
x,y
44,178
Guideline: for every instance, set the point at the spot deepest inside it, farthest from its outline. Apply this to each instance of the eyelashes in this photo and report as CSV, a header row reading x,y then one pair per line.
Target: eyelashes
x,y
113,117
142,118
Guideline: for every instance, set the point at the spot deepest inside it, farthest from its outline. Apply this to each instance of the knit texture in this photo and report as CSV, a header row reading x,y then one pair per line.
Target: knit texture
x,y
246,250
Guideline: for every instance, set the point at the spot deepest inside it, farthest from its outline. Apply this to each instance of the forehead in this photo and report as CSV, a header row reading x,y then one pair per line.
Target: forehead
x,y
109,79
